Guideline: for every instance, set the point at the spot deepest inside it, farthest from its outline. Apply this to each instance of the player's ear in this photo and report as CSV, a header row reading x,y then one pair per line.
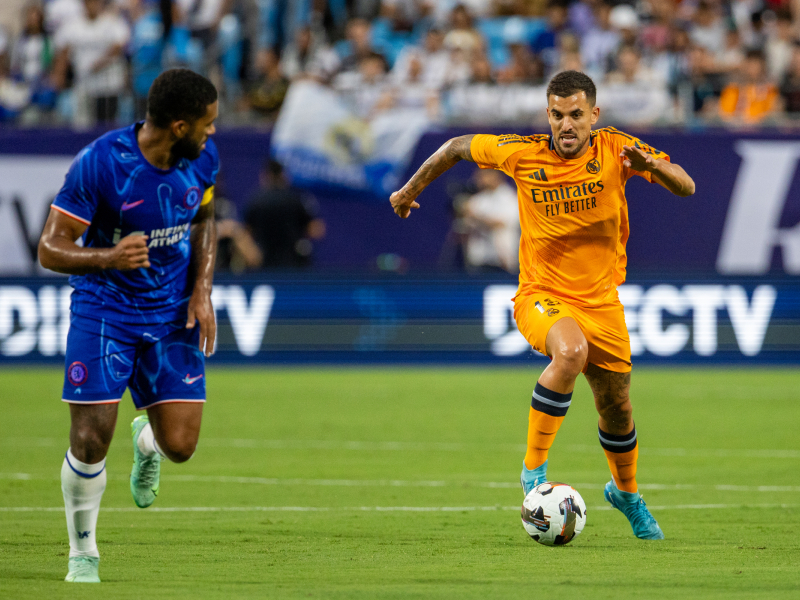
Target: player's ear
x,y
595,114
179,128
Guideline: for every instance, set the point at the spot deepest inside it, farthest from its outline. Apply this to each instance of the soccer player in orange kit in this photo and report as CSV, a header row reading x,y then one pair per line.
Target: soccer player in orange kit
x,y
574,219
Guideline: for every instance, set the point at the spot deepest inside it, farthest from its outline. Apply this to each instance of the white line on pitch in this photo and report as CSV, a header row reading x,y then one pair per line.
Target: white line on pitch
x,y
465,447
414,483
436,447
177,509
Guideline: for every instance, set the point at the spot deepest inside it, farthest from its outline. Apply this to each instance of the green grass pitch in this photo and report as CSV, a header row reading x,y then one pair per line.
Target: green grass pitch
x,y
402,483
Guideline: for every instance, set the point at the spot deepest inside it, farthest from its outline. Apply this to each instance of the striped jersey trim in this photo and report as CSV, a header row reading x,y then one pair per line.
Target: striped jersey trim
x,y
91,401
616,132
69,214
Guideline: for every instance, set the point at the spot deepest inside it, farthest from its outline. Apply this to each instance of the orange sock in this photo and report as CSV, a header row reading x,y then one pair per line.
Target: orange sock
x,y
548,409
542,429
622,453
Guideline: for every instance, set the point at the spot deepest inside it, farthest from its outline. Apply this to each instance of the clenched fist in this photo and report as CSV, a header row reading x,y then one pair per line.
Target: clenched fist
x,y
402,203
130,253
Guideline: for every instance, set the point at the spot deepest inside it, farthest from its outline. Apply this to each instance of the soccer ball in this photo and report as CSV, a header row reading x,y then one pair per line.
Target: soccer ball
x,y
553,513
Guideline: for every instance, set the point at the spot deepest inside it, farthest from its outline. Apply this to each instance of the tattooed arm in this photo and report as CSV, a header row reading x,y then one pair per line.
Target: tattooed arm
x,y
450,153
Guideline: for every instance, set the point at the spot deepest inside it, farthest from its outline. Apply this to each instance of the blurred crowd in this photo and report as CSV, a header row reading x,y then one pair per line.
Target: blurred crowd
x,y
656,61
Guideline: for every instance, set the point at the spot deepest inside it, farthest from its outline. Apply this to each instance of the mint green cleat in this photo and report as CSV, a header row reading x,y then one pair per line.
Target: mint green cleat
x,y
644,525
83,569
530,479
146,469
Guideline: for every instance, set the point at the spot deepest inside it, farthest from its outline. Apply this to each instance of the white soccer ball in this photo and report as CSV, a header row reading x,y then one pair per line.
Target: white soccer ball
x,y
553,513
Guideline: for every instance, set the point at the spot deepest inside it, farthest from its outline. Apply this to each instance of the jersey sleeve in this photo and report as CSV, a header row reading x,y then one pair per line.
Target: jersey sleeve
x,y
499,152
637,143
78,196
207,169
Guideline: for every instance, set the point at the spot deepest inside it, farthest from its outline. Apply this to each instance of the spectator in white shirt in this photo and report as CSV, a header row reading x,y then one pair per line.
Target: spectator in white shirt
x,y
305,56
625,20
203,18
94,45
32,56
780,45
413,92
634,94
709,28
630,70
463,35
434,59
490,220
600,43
365,89
58,13
732,55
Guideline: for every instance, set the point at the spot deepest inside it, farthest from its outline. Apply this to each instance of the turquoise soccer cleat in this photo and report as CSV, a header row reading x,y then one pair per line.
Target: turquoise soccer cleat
x,y
83,569
530,479
645,527
146,469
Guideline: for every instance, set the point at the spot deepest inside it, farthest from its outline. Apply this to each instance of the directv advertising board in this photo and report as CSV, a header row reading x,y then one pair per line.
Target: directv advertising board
x,y
453,320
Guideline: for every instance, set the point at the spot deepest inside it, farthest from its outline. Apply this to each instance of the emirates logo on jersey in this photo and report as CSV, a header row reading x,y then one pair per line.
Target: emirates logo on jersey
x,y
593,166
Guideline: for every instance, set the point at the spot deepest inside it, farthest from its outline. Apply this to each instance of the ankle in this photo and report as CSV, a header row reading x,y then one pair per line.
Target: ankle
x,y
541,468
627,497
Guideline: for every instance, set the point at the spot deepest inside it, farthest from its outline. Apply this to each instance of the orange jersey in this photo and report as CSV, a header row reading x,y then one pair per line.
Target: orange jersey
x,y
573,213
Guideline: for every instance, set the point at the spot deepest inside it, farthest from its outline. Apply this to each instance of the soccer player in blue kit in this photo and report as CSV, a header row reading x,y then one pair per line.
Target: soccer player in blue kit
x,y
141,201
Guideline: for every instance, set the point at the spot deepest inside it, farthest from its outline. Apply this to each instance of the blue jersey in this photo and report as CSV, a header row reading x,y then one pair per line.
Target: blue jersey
x,y
114,190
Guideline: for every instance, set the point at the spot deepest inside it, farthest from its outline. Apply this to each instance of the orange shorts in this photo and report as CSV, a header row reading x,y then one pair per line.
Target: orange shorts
x,y
603,327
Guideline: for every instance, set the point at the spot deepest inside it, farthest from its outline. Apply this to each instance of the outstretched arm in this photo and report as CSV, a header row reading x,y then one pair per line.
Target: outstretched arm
x,y
450,153
665,173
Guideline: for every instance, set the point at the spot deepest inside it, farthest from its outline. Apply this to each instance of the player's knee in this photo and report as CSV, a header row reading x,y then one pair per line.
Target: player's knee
x,y
179,450
571,357
89,445
182,455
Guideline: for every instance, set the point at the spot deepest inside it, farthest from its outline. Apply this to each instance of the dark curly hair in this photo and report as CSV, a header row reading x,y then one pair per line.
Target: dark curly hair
x,y
179,95
568,83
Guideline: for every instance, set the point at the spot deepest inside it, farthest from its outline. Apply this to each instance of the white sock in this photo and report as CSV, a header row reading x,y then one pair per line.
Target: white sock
x,y
147,442
83,486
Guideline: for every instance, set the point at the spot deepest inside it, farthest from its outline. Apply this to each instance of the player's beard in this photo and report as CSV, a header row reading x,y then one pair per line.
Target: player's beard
x,y
570,152
187,148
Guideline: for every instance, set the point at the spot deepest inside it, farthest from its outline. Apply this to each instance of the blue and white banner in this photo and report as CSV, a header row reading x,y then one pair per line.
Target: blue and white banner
x,y
323,143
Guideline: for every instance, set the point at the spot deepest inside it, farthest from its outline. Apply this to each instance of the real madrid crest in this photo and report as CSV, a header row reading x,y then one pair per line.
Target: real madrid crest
x,y
593,166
